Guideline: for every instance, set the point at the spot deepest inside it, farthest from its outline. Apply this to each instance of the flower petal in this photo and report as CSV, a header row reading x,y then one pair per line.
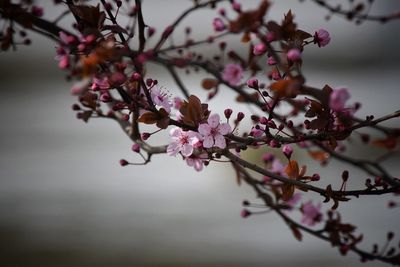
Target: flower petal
x,y
213,120
175,132
204,129
208,141
224,128
173,149
220,141
187,150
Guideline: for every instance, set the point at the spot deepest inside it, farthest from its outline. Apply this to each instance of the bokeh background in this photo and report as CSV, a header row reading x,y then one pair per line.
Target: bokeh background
x,y
65,201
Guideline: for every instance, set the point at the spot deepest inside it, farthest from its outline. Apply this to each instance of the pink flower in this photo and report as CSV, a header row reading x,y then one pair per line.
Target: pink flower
x,y
177,102
232,74
294,54
277,168
100,84
105,97
63,61
259,49
311,214
218,25
161,99
213,132
271,61
257,131
182,141
293,200
338,98
197,162
321,37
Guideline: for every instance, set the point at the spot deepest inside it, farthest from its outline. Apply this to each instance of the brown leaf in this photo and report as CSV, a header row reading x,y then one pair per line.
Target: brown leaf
x,y
194,112
248,19
292,169
161,118
209,83
241,98
287,191
91,15
286,88
319,155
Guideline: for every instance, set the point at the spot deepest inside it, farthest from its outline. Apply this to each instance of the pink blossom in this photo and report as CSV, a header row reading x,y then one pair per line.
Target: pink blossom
x,y
271,61
259,49
177,102
161,99
100,84
311,214
294,54
291,202
105,97
63,62
321,37
338,98
80,87
218,25
213,132
197,162
182,141
257,131
275,75
277,168
66,39
232,74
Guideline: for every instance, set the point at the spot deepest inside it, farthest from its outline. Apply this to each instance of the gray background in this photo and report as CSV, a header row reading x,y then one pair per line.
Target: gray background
x,y
65,201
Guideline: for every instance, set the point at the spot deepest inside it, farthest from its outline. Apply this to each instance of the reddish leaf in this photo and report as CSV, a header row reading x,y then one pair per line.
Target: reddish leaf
x,y
209,83
246,20
319,155
292,169
194,112
161,119
286,88
296,232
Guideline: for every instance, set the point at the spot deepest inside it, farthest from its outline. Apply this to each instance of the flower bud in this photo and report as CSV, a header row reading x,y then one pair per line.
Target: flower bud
x,y
252,83
294,54
259,49
228,113
123,162
287,150
136,148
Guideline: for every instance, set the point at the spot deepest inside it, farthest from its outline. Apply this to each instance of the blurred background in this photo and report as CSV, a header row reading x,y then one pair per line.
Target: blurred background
x,y
65,201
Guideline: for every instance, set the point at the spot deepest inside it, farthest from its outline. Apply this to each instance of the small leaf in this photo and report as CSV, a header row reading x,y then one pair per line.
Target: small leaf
x,y
209,83
292,169
319,155
296,232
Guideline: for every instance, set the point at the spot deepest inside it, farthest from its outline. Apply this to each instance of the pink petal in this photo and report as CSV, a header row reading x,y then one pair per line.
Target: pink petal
x,y
220,141
172,149
208,141
213,120
204,129
224,128
175,132
190,162
198,165
187,150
